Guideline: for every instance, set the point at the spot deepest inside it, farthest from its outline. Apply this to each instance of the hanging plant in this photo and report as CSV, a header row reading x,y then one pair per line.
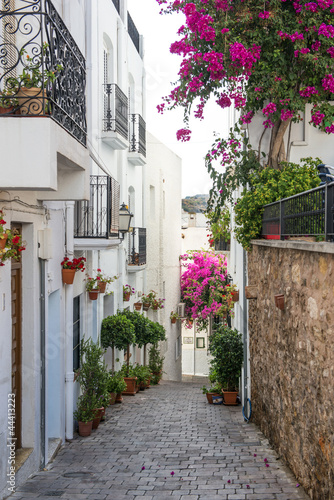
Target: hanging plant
x,y
11,244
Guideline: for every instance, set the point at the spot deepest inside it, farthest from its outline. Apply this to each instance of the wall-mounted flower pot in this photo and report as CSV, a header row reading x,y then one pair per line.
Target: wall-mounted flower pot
x,y
235,296
251,292
173,320
126,297
146,307
93,294
279,301
102,286
3,241
138,306
68,276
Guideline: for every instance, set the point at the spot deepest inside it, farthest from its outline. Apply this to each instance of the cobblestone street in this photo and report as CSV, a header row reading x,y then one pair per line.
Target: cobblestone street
x,y
167,443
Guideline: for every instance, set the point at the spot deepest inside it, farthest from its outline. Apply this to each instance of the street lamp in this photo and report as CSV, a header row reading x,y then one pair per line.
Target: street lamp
x,y
124,219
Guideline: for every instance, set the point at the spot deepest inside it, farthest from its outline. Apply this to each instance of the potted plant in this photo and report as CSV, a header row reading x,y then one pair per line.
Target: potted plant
x,y
70,267
143,374
102,280
138,306
174,317
30,86
85,413
146,301
155,364
213,390
130,378
92,288
116,386
128,290
118,332
226,347
11,244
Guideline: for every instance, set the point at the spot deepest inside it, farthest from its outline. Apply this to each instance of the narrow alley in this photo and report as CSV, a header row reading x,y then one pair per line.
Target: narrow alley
x,y
167,443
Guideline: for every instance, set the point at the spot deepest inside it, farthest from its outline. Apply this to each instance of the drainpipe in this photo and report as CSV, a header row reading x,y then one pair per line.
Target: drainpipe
x,y
245,331
69,374
43,377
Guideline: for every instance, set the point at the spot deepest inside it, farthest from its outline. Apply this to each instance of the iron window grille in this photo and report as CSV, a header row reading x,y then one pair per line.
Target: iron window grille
x,y
137,134
115,110
306,214
137,246
133,32
35,44
98,217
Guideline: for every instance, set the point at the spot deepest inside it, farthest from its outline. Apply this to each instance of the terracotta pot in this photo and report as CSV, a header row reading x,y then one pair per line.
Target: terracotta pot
x,y
4,111
173,320
102,286
112,399
3,241
103,414
209,396
97,418
93,294
131,386
138,306
230,397
146,307
68,276
32,101
85,428
126,297
235,296
155,308
119,398
279,301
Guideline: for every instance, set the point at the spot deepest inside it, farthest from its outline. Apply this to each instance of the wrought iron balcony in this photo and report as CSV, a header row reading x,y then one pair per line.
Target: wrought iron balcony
x,y
133,32
115,120
137,247
98,217
42,71
137,136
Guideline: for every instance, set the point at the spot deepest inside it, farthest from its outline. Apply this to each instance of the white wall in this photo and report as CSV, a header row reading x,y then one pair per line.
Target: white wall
x,y
163,195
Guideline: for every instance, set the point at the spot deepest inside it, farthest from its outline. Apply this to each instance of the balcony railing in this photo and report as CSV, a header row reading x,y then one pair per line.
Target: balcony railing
x,y
306,214
98,217
137,136
115,110
137,246
116,3
133,32
42,71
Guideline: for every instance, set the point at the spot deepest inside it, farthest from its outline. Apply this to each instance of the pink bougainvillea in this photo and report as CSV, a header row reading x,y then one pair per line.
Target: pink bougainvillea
x,y
204,286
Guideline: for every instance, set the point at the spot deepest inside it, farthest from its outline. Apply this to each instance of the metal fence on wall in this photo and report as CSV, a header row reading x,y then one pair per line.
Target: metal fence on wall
x,y
306,214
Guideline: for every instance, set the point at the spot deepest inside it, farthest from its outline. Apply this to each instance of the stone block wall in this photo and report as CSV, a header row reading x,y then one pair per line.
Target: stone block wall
x,y
292,357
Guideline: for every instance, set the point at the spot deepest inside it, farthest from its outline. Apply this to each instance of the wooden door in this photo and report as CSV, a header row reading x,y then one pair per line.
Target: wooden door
x,y
16,286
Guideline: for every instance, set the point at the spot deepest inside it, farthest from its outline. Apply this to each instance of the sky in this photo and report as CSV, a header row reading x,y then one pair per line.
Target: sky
x,y
161,66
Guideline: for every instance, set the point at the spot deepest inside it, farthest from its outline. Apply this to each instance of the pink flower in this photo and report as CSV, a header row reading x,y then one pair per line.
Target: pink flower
x,y
183,135
264,15
270,108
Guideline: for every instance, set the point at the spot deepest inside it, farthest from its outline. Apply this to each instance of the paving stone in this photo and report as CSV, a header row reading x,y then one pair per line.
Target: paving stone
x,y
170,428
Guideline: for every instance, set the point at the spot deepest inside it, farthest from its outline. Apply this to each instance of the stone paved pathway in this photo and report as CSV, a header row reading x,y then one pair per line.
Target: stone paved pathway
x,y
167,443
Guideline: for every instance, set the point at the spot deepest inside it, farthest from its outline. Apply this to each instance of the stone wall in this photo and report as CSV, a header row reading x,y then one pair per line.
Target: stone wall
x,y
292,357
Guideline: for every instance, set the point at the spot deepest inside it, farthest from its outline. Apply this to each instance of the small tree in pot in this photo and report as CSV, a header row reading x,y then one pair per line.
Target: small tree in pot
x,y
226,346
117,332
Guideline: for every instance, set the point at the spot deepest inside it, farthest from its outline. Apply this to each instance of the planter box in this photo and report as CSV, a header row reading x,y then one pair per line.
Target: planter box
x,y
131,386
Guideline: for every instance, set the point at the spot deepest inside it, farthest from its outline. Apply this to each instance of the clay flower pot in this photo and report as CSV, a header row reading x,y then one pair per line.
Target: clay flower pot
x,y
93,294
138,306
126,297
68,276
112,399
102,286
3,241
230,397
146,307
85,428
235,296
131,386
173,320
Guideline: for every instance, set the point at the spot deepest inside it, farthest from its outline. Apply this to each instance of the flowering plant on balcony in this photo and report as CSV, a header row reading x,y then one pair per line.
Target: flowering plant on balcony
x,y
102,278
128,290
76,264
11,244
152,300
91,284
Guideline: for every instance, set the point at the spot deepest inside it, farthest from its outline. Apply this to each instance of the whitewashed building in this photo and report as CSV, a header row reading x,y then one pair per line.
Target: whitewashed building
x,y
70,156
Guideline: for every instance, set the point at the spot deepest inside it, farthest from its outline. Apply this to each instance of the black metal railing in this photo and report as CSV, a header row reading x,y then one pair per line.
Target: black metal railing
x,y
98,217
116,3
137,246
137,135
306,214
115,110
133,32
42,71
